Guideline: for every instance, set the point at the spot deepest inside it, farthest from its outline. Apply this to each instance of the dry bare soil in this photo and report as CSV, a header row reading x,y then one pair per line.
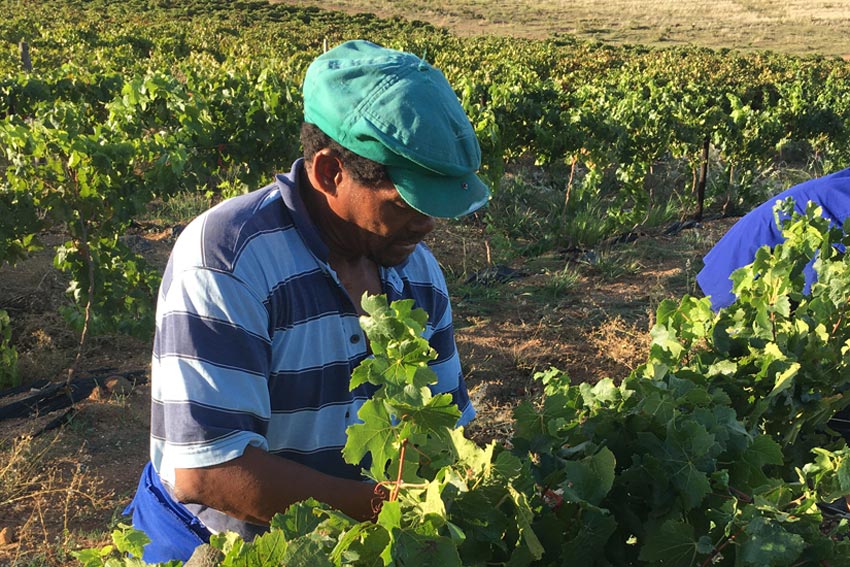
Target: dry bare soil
x,y
64,488
798,27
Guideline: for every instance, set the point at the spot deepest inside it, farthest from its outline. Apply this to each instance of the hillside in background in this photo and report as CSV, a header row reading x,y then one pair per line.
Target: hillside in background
x,y
798,27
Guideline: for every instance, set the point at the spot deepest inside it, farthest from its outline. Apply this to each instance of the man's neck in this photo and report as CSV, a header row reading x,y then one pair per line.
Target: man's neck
x,y
356,272
358,276
329,226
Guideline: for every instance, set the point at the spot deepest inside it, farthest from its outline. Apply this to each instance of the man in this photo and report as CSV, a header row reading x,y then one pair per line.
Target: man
x,y
757,228
257,317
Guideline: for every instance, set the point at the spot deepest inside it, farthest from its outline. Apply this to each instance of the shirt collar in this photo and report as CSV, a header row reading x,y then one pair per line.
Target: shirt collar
x,y
290,191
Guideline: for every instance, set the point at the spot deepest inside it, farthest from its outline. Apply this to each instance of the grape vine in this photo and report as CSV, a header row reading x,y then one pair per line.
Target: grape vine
x,y
716,451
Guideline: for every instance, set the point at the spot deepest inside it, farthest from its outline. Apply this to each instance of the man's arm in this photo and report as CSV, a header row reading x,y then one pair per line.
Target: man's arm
x,y
257,485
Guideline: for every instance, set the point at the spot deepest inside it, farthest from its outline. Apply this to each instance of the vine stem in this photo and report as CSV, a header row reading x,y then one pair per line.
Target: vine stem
x,y
710,559
569,184
838,323
741,496
85,251
394,492
388,484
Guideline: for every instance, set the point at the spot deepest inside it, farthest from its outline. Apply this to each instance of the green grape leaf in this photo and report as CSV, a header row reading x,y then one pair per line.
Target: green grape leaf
x,y
543,429
673,545
748,470
685,452
690,437
369,371
376,435
266,549
666,310
436,417
665,341
129,540
411,549
705,545
92,557
590,479
590,542
299,519
362,545
723,367
432,504
770,544
306,551
843,475
404,367
230,543
507,466
524,518
389,518
660,405
784,379
475,459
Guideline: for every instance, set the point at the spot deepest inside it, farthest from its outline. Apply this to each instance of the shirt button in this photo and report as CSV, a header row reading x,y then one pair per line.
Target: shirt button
x,y
354,339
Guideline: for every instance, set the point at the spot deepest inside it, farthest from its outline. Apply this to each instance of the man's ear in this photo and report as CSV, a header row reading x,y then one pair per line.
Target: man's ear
x,y
325,171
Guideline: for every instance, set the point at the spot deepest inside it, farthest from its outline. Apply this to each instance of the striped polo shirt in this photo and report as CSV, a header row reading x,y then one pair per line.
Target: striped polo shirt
x,y
256,340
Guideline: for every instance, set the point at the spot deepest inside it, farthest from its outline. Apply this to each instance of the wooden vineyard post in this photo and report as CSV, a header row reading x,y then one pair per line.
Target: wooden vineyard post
x,y
703,176
26,60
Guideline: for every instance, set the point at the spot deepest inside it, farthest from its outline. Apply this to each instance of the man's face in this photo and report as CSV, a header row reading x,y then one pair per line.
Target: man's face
x,y
379,223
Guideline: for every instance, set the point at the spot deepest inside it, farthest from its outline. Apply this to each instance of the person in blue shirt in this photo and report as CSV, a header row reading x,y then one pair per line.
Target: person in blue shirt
x,y
257,316
737,248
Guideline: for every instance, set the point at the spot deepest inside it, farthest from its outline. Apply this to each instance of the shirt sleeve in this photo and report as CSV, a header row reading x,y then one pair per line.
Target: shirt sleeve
x,y
210,371
735,250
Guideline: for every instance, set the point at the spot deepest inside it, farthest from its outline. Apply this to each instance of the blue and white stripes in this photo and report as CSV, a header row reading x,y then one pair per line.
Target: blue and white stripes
x,y
256,339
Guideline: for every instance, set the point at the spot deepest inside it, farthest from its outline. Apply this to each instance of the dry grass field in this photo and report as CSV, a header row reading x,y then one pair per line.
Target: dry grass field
x,y
800,27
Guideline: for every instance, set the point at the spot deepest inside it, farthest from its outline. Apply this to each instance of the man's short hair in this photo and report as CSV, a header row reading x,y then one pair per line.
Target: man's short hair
x,y
364,171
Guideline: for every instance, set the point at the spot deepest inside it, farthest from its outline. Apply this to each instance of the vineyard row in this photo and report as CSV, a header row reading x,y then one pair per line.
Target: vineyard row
x,y
133,102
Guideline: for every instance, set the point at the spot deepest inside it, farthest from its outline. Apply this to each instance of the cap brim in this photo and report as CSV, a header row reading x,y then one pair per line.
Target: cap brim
x,y
439,195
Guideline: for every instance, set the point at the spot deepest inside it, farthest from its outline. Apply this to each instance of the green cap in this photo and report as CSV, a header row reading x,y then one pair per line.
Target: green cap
x,y
394,108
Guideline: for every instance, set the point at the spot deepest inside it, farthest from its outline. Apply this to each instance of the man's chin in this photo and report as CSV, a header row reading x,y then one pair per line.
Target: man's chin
x,y
394,255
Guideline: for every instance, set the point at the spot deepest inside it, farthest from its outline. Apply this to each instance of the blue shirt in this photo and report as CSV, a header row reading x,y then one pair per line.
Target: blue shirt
x,y
758,228
256,340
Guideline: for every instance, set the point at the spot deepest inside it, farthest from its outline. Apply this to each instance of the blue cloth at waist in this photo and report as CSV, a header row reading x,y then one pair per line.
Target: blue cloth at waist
x,y
174,531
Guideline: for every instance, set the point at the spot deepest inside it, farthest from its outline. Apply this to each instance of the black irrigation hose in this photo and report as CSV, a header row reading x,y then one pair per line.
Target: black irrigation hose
x,y
37,385
57,422
47,397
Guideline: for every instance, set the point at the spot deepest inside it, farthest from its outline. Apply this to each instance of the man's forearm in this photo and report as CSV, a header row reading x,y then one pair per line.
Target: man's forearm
x,y
257,485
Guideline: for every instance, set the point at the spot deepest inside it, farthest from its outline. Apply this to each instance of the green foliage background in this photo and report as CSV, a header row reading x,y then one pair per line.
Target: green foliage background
x,y
136,101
